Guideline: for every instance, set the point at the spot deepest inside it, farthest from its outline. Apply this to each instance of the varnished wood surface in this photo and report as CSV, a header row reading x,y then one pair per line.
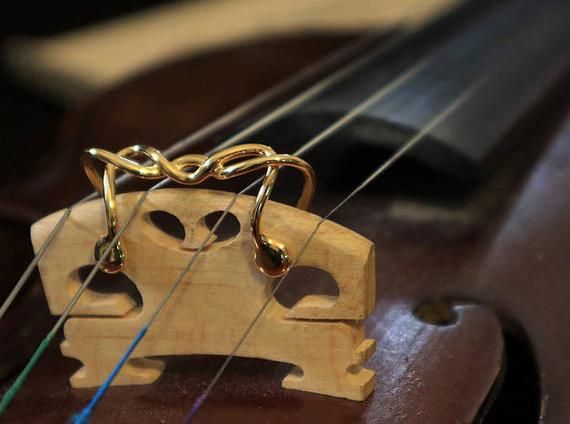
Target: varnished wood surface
x,y
505,267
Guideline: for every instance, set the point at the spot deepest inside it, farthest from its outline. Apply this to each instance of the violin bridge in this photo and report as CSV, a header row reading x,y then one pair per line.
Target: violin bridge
x,y
218,298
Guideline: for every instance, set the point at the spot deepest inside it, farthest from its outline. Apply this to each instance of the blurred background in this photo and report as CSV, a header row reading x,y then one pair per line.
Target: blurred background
x,y
27,115
57,54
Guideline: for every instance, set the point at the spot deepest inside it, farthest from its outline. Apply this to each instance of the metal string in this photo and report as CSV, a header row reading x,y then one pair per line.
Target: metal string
x,y
221,122
380,170
277,113
84,416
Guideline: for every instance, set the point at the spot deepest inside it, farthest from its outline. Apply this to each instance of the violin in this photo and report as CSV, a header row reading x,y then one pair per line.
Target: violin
x,y
440,162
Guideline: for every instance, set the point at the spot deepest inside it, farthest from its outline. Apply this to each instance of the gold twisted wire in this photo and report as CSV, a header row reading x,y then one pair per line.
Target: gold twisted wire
x,y
271,256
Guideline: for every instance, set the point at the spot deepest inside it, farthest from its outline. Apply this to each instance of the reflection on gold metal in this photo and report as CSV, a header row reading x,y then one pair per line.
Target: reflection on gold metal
x,y
271,256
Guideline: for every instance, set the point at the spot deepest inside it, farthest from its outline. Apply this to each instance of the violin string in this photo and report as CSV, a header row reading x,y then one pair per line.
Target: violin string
x,y
84,415
434,122
282,110
223,121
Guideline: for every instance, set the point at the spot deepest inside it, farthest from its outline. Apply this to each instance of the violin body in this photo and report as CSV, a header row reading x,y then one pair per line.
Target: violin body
x,y
471,318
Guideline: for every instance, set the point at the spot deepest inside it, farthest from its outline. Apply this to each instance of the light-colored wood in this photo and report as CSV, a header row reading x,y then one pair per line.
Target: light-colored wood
x,y
322,336
80,62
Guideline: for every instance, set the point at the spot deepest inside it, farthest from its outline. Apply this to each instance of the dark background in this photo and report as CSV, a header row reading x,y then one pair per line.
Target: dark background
x,y
25,116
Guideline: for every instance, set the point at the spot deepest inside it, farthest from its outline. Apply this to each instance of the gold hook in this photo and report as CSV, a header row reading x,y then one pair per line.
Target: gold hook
x,y
271,256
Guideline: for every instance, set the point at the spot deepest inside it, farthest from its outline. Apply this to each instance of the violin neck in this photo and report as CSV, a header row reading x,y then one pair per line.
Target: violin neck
x,y
517,50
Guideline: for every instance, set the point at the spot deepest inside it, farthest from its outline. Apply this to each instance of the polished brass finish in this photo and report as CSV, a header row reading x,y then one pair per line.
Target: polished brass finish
x,y
271,256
